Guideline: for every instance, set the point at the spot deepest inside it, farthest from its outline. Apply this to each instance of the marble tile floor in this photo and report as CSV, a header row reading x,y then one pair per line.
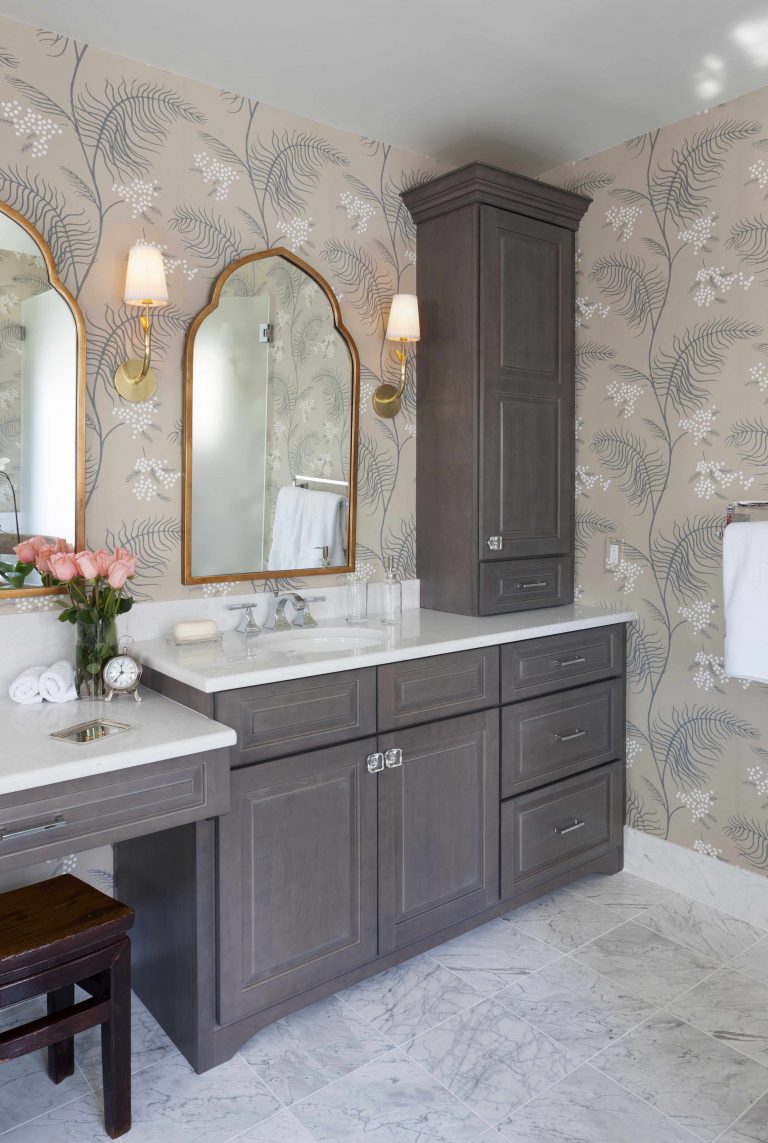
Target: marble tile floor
x,y
612,1011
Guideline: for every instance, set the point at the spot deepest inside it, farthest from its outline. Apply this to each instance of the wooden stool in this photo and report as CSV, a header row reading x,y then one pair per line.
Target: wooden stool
x,y
53,936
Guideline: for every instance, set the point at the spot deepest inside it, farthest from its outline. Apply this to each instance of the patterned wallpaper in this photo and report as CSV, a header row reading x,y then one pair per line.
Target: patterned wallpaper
x,y
98,151
672,408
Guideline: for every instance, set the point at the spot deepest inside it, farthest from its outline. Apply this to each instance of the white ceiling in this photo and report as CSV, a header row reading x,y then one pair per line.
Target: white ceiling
x,y
527,85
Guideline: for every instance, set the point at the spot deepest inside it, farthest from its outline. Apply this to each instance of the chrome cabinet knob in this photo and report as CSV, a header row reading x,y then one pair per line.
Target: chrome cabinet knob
x,y
495,543
375,763
393,757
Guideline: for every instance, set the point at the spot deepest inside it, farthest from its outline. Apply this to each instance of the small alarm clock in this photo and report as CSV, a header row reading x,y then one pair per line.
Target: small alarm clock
x,y
121,675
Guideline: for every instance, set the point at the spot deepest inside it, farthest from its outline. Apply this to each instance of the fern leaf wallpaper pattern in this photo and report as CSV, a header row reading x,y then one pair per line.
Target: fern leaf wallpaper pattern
x,y
97,152
672,424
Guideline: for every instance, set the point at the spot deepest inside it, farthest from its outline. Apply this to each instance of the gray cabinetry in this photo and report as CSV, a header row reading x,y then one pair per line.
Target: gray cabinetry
x,y
482,779
297,876
495,463
438,827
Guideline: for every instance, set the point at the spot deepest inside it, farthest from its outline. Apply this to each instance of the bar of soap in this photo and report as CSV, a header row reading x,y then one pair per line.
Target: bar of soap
x,y
192,630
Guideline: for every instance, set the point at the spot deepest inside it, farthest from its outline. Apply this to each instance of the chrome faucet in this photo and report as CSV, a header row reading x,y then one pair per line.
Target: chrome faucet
x,y
247,625
276,618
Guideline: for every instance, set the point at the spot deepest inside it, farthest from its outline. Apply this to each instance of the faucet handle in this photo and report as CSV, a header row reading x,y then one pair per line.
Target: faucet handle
x,y
308,618
247,625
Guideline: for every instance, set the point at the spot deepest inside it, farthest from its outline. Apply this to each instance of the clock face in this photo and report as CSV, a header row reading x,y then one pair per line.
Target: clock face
x,y
122,673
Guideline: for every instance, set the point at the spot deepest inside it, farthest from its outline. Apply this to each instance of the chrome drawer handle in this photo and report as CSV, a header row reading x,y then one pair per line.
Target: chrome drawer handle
x,y
375,763
495,543
577,823
393,758
10,835
538,583
570,662
570,737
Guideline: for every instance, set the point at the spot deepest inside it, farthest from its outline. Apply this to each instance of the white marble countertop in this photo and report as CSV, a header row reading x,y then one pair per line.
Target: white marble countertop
x,y
274,656
159,729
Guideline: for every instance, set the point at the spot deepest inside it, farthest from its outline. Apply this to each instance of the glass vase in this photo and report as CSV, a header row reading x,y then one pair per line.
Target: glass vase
x,y
96,642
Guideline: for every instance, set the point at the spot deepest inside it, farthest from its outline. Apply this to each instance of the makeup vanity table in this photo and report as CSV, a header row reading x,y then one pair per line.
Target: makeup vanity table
x,y
384,798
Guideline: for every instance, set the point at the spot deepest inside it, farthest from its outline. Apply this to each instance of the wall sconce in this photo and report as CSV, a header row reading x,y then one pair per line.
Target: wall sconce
x,y
403,326
144,286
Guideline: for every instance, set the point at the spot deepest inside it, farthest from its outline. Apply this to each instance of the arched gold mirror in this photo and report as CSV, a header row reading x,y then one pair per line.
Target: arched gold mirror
x,y
270,426
42,403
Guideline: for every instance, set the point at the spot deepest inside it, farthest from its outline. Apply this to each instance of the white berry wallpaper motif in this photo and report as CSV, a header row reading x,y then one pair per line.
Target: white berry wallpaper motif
x,y
672,424
98,151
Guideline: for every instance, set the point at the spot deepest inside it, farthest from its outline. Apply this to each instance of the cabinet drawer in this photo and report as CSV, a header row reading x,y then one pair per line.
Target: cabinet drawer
x,y
547,832
547,738
425,689
518,585
278,719
40,824
541,666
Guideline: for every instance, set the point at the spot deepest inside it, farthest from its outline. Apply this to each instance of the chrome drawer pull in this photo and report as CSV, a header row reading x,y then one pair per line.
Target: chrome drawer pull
x,y
538,583
570,662
577,823
393,758
375,763
10,835
570,737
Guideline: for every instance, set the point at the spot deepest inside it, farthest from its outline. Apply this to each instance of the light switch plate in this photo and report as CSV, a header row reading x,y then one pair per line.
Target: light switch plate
x,y
614,553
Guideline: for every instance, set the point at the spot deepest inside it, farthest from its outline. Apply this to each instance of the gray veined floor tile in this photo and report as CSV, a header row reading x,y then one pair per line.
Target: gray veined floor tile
x,y
492,956
752,1127
490,1059
280,1128
694,1079
410,998
702,928
754,962
732,1008
576,1006
311,1048
149,1045
564,920
623,893
170,1105
25,1089
388,1101
588,1107
645,963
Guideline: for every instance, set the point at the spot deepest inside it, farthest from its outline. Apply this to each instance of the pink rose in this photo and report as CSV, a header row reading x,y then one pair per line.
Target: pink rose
x,y
87,564
61,546
26,551
43,559
63,566
103,562
127,557
119,572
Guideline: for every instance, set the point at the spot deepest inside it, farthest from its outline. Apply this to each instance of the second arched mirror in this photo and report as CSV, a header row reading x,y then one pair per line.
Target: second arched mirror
x,y
270,427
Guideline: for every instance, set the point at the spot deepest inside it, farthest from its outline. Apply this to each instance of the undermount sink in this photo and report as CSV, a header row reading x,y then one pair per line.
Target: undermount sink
x,y
321,641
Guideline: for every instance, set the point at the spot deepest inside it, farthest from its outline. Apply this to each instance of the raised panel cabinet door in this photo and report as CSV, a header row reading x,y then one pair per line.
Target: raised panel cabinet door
x,y
297,876
438,826
526,372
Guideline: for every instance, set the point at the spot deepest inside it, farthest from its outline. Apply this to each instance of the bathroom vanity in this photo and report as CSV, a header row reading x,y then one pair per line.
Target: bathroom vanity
x,y
385,797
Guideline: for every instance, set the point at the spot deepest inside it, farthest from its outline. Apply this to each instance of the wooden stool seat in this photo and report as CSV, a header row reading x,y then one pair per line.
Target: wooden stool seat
x,y
53,936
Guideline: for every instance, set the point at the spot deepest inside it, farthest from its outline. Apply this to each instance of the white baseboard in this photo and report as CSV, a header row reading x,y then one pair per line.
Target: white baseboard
x,y
733,890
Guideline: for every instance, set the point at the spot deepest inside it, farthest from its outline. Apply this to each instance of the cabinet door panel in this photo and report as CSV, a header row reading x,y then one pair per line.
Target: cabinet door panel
x,y
527,387
438,827
297,876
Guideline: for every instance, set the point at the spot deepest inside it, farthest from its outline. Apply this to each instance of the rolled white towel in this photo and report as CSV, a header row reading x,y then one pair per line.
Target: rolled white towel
x,y
57,683
26,688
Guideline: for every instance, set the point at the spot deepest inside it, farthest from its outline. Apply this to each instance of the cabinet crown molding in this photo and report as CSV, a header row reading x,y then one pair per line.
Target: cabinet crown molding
x,y
480,183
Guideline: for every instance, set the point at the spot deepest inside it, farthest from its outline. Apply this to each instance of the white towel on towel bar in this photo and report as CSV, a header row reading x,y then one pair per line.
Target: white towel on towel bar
x,y
305,522
745,588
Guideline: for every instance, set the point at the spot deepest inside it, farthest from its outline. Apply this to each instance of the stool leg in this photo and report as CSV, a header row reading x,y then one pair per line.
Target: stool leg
x,y
61,1056
116,1046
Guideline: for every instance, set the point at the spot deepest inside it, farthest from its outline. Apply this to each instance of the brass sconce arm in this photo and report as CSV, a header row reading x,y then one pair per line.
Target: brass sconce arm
x,y
387,398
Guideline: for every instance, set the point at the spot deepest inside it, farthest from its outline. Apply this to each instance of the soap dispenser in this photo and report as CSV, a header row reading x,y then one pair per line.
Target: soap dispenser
x,y
392,607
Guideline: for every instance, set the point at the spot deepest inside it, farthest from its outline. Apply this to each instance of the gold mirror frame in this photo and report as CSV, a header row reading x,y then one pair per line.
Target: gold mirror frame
x,y
186,576
56,284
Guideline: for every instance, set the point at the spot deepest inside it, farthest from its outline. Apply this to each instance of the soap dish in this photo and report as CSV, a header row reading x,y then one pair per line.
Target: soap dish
x,y
92,731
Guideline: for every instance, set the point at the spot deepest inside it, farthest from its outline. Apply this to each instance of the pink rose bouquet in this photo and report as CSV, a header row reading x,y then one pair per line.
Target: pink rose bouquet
x,y
96,593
